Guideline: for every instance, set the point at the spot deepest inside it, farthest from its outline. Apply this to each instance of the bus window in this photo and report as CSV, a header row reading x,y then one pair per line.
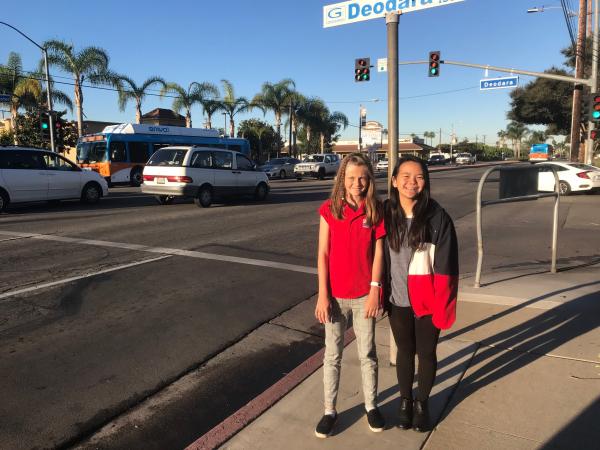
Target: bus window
x,y
235,148
223,146
118,152
138,152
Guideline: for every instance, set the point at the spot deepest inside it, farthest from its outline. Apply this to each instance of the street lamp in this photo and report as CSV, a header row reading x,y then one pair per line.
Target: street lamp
x,y
49,96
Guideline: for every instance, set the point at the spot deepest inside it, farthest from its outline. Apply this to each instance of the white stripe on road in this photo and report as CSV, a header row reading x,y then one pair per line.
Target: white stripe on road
x,y
5,295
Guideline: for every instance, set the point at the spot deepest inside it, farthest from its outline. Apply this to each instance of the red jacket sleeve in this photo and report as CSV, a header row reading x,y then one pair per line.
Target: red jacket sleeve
x,y
445,279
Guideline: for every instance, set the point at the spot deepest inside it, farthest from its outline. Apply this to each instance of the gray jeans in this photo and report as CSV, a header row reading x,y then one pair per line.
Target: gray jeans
x,y
364,329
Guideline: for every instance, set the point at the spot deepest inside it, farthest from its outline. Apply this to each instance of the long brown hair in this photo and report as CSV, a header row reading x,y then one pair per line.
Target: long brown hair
x,y
395,219
338,194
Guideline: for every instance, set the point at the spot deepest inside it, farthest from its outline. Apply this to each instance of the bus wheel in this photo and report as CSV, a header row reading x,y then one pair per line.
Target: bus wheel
x,y
136,177
204,197
164,199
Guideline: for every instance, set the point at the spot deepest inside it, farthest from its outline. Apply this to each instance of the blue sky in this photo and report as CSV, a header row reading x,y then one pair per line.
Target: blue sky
x,y
250,42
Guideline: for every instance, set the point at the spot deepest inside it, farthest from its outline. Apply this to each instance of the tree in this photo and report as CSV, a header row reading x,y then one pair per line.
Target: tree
x,y
233,105
91,64
329,126
277,98
129,90
310,114
516,131
186,98
210,106
262,137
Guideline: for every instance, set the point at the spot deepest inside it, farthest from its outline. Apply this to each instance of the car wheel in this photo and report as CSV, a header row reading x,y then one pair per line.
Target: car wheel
x,y
3,201
564,188
204,197
321,174
136,177
282,174
91,193
261,192
164,199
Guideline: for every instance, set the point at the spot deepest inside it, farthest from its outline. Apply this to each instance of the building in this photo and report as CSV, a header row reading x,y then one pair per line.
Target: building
x,y
161,116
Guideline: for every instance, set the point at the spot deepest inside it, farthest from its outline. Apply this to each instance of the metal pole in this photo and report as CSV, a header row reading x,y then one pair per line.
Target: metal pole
x,y
290,132
555,220
579,66
589,144
360,128
479,227
49,97
391,21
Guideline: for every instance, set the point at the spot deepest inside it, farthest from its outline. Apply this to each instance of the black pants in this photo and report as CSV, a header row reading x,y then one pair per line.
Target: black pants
x,y
414,336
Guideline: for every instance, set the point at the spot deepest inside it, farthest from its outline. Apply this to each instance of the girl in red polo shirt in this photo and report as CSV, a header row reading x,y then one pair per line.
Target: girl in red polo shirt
x,y
350,266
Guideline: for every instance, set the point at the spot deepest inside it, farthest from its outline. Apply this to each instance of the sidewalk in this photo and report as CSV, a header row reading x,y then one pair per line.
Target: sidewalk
x,y
519,369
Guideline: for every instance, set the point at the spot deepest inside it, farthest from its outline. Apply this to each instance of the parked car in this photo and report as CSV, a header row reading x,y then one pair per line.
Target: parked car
x,y
318,165
436,160
572,176
279,167
31,175
382,164
465,158
202,173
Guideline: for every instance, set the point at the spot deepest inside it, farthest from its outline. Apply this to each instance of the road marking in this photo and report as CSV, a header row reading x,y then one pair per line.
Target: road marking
x,y
5,295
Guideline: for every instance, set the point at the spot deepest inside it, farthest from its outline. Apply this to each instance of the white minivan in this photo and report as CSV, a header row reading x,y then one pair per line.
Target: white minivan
x,y
33,175
202,173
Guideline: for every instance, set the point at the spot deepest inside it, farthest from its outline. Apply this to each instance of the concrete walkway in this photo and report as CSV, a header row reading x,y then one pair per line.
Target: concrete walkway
x,y
520,369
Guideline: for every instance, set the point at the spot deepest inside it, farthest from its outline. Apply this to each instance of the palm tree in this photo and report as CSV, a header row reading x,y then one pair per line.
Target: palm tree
x,y
186,98
91,64
517,131
310,114
233,105
134,92
502,135
276,97
330,125
210,106
25,90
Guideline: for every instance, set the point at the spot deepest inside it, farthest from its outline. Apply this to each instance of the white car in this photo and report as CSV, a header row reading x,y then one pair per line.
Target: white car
x,y
202,173
279,167
465,158
33,175
382,164
572,176
318,165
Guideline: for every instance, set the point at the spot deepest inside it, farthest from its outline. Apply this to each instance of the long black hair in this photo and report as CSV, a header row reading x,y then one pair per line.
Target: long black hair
x,y
395,219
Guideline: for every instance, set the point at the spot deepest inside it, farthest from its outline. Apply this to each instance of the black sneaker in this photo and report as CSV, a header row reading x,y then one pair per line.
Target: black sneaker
x,y
375,419
325,426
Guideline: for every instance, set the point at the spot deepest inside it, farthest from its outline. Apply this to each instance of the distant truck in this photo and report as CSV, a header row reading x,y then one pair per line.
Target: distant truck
x,y
319,166
465,158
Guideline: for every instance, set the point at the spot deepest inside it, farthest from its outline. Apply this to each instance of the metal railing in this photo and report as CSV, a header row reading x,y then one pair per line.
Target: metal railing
x,y
516,198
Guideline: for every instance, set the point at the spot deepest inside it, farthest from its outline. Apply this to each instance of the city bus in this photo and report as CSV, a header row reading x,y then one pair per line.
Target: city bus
x,y
541,152
119,152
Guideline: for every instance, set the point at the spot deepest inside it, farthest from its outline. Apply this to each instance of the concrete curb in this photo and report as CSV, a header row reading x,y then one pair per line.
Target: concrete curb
x,y
253,409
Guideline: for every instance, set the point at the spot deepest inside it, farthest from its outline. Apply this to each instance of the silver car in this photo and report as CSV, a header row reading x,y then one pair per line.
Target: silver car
x,y
279,167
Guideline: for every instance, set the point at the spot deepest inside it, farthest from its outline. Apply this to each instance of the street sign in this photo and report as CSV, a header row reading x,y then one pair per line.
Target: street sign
x,y
381,64
5,98
358,10
498,83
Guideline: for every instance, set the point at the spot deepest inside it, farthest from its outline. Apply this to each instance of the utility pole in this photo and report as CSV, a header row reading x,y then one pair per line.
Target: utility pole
x,y
391,20
360,108
440,140
579,65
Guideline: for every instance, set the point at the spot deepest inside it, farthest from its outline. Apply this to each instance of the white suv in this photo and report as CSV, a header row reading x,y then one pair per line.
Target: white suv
x,y
465,158
33,175
318,165
202,173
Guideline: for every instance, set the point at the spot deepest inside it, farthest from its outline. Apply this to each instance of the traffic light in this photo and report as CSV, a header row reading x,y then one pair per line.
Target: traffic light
x,y
594,135
594,109
45,126
362,69
434,64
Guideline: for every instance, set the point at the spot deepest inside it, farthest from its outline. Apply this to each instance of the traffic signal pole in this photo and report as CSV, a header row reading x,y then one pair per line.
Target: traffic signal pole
x,y
579,66
589,143
391,21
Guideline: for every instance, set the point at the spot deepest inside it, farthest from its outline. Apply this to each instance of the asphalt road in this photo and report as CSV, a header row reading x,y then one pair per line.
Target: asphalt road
x,y
147,294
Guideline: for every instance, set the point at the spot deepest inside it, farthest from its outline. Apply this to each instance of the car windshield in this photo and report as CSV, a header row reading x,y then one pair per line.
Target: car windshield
x,y
314,158
464,155
171,157
91,152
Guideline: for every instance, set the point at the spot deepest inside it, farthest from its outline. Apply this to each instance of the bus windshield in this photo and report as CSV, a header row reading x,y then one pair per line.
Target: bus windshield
x,y
91,152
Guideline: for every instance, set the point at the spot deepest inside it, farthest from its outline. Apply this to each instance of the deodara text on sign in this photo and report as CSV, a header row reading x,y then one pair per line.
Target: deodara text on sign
x,y
359,10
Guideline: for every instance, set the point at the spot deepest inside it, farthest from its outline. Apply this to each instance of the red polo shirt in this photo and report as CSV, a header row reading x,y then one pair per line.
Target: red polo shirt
x,y
351,250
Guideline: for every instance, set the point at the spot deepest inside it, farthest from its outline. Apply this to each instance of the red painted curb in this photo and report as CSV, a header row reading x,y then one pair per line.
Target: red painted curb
x,y
253,409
